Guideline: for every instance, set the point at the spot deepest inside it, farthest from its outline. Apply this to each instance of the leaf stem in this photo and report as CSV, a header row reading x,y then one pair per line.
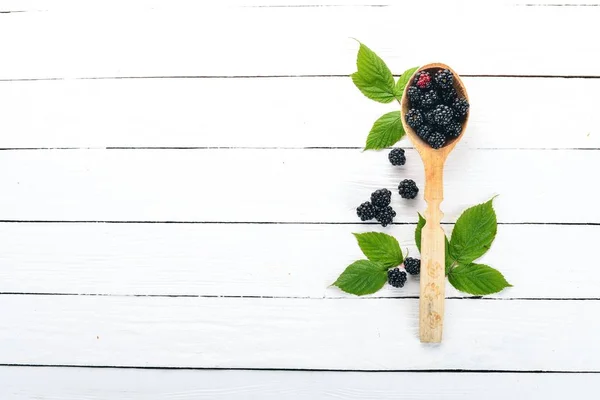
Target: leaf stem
x,y
452,266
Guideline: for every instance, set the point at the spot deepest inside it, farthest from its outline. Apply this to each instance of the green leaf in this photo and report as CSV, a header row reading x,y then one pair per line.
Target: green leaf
x,y
420,225
477,279
418,231
373,78
403,81
380,248
386,131
449,260
473,233
362,277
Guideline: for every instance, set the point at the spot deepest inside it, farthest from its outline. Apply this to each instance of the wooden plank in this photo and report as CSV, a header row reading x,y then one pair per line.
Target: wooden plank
x,y
199,113
265,260
293,41
284,185
110,384
74,5
345,334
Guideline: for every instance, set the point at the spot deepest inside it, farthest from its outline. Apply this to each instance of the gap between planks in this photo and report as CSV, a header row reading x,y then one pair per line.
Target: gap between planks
x,y
281,76
299,297
281,148
375,371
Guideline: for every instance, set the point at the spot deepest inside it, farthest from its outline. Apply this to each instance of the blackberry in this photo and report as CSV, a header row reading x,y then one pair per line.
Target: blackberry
x,y
381,198
429,99
444,79
408,189
366,211
448,96
397,157
414,96
461,106
396,278
414,118
436,140
442,115
385,215
423,80
453,129
412,265
424,131
428,118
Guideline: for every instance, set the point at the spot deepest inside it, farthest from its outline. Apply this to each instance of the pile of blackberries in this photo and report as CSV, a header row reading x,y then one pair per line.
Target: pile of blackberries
x,y
379,207
436,110
397,277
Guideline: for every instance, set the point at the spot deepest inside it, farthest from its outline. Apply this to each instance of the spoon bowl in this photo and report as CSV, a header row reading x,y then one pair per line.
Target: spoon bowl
x,y
421,146
433,240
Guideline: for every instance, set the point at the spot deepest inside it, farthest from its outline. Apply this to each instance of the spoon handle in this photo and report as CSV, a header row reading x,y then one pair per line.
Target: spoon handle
x,y
433,253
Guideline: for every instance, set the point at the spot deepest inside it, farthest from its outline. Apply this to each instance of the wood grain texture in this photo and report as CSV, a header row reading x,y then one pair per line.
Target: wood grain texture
x,y
345,334
110,384
265,260
284,185
275,41
322,112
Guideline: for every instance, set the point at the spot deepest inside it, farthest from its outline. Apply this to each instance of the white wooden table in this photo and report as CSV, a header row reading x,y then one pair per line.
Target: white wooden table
x,y
179,184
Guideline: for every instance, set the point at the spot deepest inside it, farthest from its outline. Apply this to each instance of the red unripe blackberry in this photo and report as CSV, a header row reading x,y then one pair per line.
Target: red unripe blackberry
x,y
423,80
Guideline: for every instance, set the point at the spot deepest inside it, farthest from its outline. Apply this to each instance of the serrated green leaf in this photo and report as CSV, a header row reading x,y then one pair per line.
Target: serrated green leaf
x,y
380,248
403,81
419,229
386,131
477,279
362,277
473,233
373,78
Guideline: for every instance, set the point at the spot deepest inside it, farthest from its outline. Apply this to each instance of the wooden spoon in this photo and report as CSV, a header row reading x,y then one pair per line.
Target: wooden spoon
x,y
433,277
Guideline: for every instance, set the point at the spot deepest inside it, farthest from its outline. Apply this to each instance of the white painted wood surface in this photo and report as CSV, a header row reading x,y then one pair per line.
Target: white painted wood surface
x,y
70,5
264,260
263,226
321,112
266,41
284,185
110,384
340,334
